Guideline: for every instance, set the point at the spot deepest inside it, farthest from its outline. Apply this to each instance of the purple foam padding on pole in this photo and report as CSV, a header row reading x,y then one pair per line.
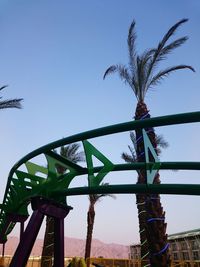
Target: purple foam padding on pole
x,y
25,246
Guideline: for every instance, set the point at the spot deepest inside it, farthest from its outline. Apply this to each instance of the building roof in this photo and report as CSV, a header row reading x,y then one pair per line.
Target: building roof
x,y
189,233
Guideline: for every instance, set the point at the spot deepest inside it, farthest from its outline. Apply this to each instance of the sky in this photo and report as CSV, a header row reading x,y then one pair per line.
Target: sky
x,y
54,54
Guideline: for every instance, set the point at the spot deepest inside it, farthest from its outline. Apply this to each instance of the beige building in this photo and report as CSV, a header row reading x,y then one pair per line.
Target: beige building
x,y
184,247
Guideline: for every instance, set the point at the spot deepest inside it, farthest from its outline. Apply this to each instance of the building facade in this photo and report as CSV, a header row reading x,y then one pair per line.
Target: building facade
x,y
184,248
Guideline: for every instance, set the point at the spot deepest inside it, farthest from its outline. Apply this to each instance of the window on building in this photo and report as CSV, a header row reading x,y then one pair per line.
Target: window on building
x,y
174,246
196,255
195,244
175,256
185,255
183,245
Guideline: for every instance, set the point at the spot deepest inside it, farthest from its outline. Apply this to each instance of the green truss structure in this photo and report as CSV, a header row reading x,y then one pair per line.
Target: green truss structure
x,y
27,180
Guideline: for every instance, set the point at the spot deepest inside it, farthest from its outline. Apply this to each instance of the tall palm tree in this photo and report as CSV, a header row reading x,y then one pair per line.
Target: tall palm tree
x,y
71,153
11,103
141,74
132,156
93,200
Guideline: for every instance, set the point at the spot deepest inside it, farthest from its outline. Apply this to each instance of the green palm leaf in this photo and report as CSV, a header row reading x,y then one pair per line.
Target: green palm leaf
x,y
10,103
13,103
131,45
2,87
161,74
173,45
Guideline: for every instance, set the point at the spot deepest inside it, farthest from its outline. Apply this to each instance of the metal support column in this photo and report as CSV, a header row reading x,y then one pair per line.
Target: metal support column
x,y
42,207
21,230
59,242
28,238
3,249
18,218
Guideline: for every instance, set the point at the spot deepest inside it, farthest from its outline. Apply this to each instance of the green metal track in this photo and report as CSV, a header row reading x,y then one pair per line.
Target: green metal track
x,y
45,181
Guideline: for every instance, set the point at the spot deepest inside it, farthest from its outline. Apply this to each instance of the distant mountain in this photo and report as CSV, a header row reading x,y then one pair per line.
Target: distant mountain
x,y
75,247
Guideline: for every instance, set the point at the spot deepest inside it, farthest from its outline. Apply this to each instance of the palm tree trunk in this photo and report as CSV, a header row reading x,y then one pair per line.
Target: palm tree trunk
x,y
48,246
90,225
153,237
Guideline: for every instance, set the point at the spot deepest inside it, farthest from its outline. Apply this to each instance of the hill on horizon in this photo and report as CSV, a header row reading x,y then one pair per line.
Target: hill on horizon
x,y
75,247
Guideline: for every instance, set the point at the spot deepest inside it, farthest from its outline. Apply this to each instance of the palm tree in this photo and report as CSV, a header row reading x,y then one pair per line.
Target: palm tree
x,y
71,153
93,200
141,75
11,103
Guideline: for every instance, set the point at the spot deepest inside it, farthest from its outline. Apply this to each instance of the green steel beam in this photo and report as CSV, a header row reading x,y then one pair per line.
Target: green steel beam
x,y
177,189
163,166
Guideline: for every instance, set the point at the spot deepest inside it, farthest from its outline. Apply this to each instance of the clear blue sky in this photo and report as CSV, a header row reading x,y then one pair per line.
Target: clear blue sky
x,y
54,54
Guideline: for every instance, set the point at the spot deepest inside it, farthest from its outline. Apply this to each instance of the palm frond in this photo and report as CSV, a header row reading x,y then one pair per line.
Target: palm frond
x,y
139,78
133,139
142,67
158,55
161,142
79,157
123,74
3,87
97,197
131,158
131,44
127,157
110,70
170,32
164,52
122,71
73,148
71,153
173,45
132,150
12,103
161,74
147,55
69,150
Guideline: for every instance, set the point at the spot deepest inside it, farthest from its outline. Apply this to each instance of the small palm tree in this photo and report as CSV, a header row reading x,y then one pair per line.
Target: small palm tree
x,y
11,103
141,74
132,157
71,153
93,200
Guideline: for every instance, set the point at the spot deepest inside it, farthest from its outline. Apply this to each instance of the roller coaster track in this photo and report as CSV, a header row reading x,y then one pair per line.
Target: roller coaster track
x,y
27,180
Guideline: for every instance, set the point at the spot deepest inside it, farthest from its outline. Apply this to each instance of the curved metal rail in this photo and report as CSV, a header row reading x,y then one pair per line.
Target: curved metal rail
x,y
38,180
